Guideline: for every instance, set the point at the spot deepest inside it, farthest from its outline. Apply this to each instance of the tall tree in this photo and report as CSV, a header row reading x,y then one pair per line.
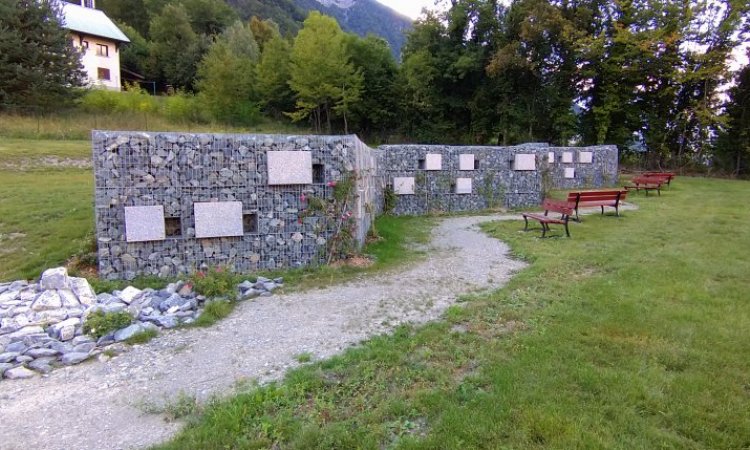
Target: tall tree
x,y
324,81
273,71
734,142
38,64
175,49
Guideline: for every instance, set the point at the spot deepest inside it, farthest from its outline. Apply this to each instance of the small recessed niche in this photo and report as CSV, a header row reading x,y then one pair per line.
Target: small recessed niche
x,y
422,164
319,173
249,223
172,226
476,163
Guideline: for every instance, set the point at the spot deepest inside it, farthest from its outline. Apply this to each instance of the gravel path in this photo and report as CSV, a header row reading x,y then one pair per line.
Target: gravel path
x,y
99,405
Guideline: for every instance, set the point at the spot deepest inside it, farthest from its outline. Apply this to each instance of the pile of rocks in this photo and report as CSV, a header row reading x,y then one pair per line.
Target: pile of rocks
x,y
41,324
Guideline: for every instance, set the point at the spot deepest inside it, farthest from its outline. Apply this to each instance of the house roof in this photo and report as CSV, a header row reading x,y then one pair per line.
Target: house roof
x,y
92,22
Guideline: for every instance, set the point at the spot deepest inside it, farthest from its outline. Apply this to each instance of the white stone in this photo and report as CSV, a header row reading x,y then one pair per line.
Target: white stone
x,y
551,157
128,294
144,223
18,373
524,161
585,157
68,298
66,330
466,162
285,167
433,161
570,172
567,157
47,300
218,219
82,289
56,278
403,185
463,185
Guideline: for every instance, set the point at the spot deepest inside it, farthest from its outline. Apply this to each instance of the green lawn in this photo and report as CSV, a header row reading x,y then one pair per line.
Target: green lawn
x,y
632,334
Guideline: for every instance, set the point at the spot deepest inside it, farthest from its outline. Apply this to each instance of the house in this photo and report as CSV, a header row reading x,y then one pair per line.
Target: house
x,y
98,39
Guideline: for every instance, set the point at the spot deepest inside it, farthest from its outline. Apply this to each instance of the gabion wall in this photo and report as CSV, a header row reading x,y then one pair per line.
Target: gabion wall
x,y
193,201
495,179
177,171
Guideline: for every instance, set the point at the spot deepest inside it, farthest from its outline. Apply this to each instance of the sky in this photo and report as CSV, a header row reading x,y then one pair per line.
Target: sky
x,y
410,8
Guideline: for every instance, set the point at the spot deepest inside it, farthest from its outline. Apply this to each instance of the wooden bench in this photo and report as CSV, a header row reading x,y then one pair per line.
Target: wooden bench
x,y
549,205
583,199
665,177
646,184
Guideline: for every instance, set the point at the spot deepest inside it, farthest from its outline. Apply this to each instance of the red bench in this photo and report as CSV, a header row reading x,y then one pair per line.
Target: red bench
x,y
583,199
557,206
665,177
646,184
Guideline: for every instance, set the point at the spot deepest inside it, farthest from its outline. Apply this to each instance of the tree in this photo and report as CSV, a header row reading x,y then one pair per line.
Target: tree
x,y
226,84
209,17
263,30
38,64
276,96
241,41
134,55
175,49
323,79
131,12
734,143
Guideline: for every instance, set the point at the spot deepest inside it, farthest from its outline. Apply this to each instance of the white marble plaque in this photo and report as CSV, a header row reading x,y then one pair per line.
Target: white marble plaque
x,y
218,219
463,185
466,162
289,168
570,172
433,161
403,185
585,157
525,161
144,223
567,157
551,157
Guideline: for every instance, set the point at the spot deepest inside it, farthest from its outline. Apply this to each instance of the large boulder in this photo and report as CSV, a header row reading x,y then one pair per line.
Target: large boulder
x,y
47,300
82,289
56,278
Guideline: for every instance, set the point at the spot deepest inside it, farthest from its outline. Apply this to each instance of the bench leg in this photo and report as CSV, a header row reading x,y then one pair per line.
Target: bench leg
x,y
602,209
544,229
526,227
567,232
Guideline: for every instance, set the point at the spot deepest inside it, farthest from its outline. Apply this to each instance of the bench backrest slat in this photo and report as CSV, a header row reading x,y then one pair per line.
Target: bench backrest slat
x,y
596,196
557,206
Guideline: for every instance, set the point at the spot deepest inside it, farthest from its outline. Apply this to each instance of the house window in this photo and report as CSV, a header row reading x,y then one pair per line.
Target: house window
x,y
102,73
102,50
85,44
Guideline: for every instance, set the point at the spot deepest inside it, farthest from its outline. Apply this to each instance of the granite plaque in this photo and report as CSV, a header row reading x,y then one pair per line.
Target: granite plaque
x,y
433,161
286,167
403,185
218,219
585,157
463,186
570,172
567,157
466,162
144,223
525,161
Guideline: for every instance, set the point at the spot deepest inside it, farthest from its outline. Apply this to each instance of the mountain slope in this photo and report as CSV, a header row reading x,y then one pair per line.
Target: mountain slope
x,y
360,17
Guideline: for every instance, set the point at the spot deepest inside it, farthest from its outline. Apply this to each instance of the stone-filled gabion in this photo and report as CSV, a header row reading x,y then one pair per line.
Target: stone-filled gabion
x,y
495,183
176,170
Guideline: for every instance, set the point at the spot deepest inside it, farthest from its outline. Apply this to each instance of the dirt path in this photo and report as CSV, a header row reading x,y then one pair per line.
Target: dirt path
x,y
99,405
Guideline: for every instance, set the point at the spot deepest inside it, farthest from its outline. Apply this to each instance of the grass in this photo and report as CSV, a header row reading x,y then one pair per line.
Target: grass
x,y
142,337
213,312
77,125
631,334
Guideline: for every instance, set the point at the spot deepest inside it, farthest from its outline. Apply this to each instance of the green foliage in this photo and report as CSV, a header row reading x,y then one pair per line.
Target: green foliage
x,y
226,82
99,323
213,312
182,107
142,337
133,99
273,76
389,199
734,143
214,282
324,80
134,55
38,64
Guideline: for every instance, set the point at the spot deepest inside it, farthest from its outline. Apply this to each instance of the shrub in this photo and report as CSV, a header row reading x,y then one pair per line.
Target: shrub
x,y
215,282
99,323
